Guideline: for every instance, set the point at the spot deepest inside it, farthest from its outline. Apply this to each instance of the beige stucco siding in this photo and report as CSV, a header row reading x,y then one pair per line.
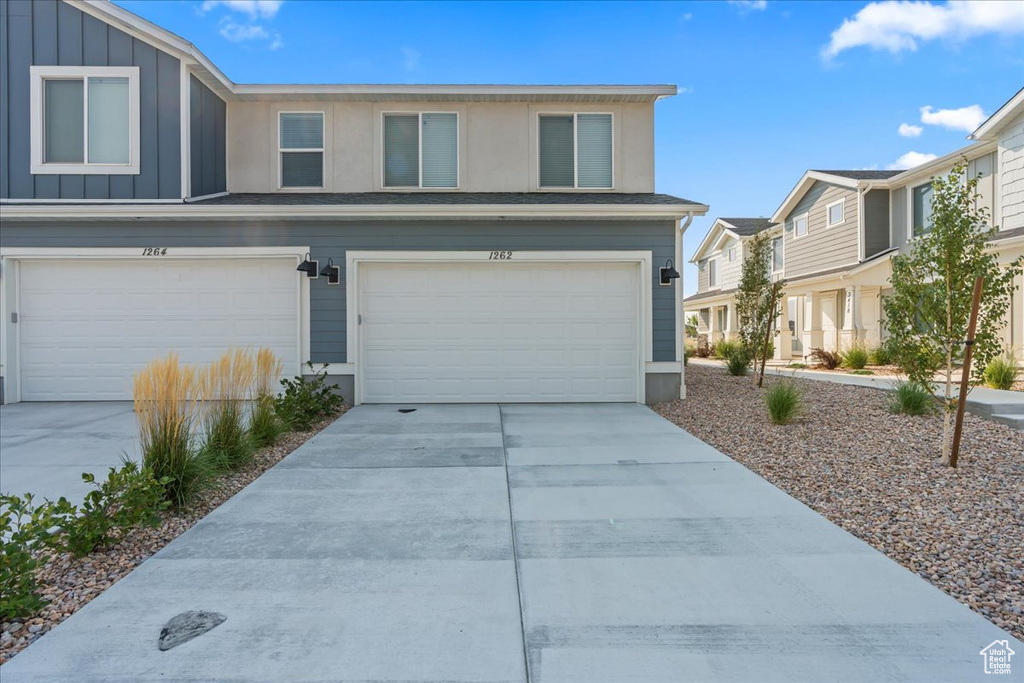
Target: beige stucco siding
x,y
822,248
497,143
1011,180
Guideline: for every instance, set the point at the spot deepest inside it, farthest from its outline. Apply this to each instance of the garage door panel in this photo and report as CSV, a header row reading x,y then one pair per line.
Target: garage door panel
x,y
85,341
499,332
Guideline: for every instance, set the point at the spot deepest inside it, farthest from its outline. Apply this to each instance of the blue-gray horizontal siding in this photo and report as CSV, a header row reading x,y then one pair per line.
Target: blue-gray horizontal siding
x,y
332,240
53,33
208,117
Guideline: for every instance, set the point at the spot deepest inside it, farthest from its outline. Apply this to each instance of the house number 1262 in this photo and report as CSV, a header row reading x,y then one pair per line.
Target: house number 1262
x,y
500,256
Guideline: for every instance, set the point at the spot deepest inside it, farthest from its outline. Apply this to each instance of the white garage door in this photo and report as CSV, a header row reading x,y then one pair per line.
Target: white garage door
x,y
489,332
87,326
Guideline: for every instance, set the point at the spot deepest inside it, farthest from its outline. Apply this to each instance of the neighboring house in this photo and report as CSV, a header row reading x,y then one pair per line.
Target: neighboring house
x,y
719,261
470,243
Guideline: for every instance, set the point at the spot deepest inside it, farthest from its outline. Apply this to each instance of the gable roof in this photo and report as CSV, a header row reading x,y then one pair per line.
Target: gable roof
x,y
740,228
206,71
747,227
1004,115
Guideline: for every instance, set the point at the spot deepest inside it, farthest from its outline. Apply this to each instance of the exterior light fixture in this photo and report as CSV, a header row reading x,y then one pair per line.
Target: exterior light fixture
x,y
310,268
331,272
668,273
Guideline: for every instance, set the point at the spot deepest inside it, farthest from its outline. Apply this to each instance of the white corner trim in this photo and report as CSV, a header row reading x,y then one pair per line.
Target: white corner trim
x,y
186,131
38,74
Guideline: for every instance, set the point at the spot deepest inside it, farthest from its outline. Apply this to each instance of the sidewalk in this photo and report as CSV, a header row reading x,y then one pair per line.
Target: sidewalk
x,y
1006,407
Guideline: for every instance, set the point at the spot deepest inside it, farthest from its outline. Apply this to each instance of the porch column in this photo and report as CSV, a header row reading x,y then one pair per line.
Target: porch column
x,y
784,339
813,338
732,327
714,333
851,317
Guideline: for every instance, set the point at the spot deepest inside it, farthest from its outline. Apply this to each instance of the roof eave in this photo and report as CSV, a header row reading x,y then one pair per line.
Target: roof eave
x,y
995,122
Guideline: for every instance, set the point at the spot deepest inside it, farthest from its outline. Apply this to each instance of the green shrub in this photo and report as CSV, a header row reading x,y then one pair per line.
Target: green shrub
x,y
129,497
227,385
1002,372
306,401
861,371
785,402
798,366
690,348
22,528
725,348
882,355
911,398
737,362
829,359
264,425
856,357
167,396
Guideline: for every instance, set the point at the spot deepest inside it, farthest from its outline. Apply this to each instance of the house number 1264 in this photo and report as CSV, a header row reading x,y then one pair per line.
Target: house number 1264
x,y
154,251
500,256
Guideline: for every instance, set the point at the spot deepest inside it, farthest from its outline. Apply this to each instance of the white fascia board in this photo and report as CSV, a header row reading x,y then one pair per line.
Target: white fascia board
x,y
719,226
228,211
806,180
913,175
994,123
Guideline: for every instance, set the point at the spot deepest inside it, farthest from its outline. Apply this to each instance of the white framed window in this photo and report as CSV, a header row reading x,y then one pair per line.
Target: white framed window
x,y
921,210
85,119
799,225
575,151
300,144
421,150
732,254
835,213
778,257
712,272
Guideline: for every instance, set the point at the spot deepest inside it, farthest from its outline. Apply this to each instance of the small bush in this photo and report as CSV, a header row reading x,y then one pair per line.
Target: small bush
x,y
23,526
856,357
227,385
690,348
129,497
861,371
798,366
784,401
726,348
738,362
166,397
1002,373
306,401
881,355
264,425
704,350
910,398
829,359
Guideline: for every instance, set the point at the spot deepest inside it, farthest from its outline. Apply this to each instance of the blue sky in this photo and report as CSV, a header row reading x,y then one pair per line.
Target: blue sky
x,y
768,89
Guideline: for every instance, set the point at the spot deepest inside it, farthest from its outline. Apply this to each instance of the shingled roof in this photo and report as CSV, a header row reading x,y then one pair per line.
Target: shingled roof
x,y
862,175
435,198
747,227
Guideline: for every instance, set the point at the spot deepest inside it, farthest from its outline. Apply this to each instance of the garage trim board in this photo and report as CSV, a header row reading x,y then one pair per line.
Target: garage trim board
x,y
11,260
359,261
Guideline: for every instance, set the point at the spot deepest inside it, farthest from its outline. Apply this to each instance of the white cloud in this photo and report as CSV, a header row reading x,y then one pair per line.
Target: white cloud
x,y
745,6
965,118
898,25
910,160
410,58
909,131
236,32
256,9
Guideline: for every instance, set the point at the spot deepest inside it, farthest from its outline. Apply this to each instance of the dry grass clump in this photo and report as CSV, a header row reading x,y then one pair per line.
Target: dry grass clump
x,y
264,425
227,387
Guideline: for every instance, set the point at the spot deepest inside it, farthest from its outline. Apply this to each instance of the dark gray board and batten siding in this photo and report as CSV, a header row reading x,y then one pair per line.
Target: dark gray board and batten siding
x,y
331,239
876,222
208,140
53,33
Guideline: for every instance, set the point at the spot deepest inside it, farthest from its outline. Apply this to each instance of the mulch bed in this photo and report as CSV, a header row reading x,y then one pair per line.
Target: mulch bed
x,y
877,475
68,583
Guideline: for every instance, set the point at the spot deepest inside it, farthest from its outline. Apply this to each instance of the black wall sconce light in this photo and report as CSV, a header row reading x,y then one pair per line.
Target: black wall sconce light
x,y
668,273
310,268
331,272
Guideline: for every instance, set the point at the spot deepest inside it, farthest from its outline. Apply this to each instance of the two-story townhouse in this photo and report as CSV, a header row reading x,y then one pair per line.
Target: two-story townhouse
x,y
719,260
433,243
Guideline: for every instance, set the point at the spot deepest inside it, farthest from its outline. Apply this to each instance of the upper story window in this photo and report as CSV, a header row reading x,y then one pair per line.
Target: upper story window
x,y
712,273
836,213
575,151
800,226
921,209
85,120
421,150
301,149
732,254
778,260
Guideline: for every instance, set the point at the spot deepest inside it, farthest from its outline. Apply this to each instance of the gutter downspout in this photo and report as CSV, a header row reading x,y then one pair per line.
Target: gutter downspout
x,y
680,319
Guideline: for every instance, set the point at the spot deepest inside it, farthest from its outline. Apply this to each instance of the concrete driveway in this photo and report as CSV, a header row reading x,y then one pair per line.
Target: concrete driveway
x,y
383,550
45,447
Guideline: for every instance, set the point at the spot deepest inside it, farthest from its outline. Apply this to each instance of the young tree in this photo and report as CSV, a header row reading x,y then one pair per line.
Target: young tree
x,y
758,301
928,311
691,326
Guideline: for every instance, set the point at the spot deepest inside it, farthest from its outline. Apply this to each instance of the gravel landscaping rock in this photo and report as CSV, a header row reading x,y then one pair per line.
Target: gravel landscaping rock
x,y
878,476
68,582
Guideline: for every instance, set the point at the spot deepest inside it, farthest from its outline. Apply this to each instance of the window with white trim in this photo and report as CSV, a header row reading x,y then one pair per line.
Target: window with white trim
x,y
84,120
835,213
800,226
301,149
575,151
778,259
732,254
921,209
712,273
421,150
